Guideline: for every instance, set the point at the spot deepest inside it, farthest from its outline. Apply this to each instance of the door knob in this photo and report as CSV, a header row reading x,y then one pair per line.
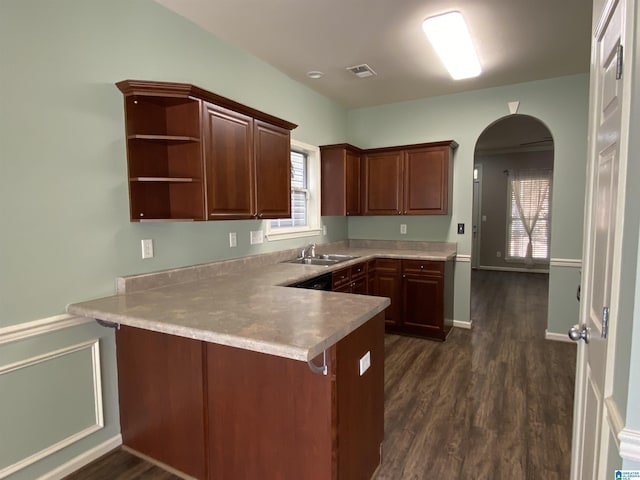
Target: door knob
x,y
578,332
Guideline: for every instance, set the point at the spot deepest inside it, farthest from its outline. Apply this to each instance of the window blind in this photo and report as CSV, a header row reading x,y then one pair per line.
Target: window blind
x,y
529,200
299,194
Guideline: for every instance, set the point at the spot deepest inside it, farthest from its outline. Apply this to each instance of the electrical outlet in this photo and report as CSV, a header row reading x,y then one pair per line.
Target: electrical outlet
x,y
324,229
147,248
461,229
498,254
365,362
256,237
484,218
403,229
233,239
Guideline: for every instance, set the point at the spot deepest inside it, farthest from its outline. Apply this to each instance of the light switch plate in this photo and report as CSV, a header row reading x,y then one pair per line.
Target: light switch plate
x,y
403,229
365,362
233,239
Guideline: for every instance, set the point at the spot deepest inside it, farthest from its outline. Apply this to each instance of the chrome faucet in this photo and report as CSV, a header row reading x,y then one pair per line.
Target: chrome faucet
x,y
309,251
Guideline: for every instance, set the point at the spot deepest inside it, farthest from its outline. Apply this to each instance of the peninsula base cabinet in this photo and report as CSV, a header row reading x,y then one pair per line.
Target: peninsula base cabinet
x,y
218,412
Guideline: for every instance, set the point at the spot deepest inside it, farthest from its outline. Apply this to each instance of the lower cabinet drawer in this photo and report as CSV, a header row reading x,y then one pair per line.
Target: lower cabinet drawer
x,y
340,277
423,266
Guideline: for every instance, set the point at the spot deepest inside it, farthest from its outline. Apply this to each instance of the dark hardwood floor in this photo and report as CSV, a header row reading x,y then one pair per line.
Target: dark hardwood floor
x,y
494,402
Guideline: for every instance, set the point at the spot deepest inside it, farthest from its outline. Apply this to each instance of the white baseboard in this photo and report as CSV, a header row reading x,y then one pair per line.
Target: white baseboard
x,y
463,324
557,337
83,459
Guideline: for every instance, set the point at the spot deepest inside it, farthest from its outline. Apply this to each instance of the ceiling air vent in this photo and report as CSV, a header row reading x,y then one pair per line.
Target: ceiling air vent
x,y
362,71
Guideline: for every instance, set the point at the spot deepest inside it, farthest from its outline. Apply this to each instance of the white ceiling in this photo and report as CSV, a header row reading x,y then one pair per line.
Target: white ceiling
x,y
516,40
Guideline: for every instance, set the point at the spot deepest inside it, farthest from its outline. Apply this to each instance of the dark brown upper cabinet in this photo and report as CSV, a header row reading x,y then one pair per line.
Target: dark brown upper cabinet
x,y
401,180
408,180
340,174
194,155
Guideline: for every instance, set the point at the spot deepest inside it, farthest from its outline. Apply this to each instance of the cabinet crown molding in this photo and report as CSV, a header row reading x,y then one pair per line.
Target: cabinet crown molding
x,y
174,89
347,146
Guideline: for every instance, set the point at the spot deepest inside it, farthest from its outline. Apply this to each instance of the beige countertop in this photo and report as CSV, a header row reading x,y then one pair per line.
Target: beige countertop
x,y
249,306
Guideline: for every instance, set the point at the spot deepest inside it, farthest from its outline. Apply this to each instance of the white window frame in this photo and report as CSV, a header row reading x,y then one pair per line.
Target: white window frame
x,y
313,198
548,174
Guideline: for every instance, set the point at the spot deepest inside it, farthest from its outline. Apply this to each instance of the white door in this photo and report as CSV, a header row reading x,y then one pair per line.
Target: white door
x,y
590,435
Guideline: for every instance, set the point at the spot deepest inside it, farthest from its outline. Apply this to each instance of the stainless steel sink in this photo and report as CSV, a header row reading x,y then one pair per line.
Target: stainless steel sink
x,y
325,259
337,257
313,261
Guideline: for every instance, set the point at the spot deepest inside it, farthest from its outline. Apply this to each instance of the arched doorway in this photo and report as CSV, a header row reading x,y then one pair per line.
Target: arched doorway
x,y
512,193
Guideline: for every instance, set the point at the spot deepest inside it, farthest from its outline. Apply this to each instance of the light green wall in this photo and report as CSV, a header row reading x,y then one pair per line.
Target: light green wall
x,y
560,103
66,234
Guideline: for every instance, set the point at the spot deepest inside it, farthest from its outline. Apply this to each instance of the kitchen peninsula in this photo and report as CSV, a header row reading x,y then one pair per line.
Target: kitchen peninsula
x,y
224,372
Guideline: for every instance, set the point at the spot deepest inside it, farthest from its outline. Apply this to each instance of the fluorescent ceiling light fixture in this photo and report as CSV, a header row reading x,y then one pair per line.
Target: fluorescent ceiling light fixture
x,y
315,74
450,38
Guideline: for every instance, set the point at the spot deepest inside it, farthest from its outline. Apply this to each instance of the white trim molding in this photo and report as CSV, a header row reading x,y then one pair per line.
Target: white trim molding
x,y
630,444
566,262
463,258
466,324
557,337
513,269
627,440
21,331
94,346
83,459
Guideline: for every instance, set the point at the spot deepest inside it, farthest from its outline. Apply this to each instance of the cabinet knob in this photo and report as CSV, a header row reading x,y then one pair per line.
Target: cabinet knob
x,y
260,215
421,267
399,212
347,213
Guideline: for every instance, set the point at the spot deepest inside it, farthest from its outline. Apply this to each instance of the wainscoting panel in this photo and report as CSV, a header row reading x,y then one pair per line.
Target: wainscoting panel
x,y
56,399
58,396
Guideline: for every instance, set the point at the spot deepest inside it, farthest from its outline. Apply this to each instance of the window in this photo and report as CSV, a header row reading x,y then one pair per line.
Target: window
x,y
528,217
305,198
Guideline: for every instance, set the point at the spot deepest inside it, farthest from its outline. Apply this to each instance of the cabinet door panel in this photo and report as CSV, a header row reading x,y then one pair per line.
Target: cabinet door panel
x,y
333,177
273,171
229,164
360,286
388,283
353,194
423,304
383,183
426,174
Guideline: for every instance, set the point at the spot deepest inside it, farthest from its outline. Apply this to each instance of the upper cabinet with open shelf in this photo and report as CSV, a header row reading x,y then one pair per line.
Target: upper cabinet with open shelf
x,y
174,155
